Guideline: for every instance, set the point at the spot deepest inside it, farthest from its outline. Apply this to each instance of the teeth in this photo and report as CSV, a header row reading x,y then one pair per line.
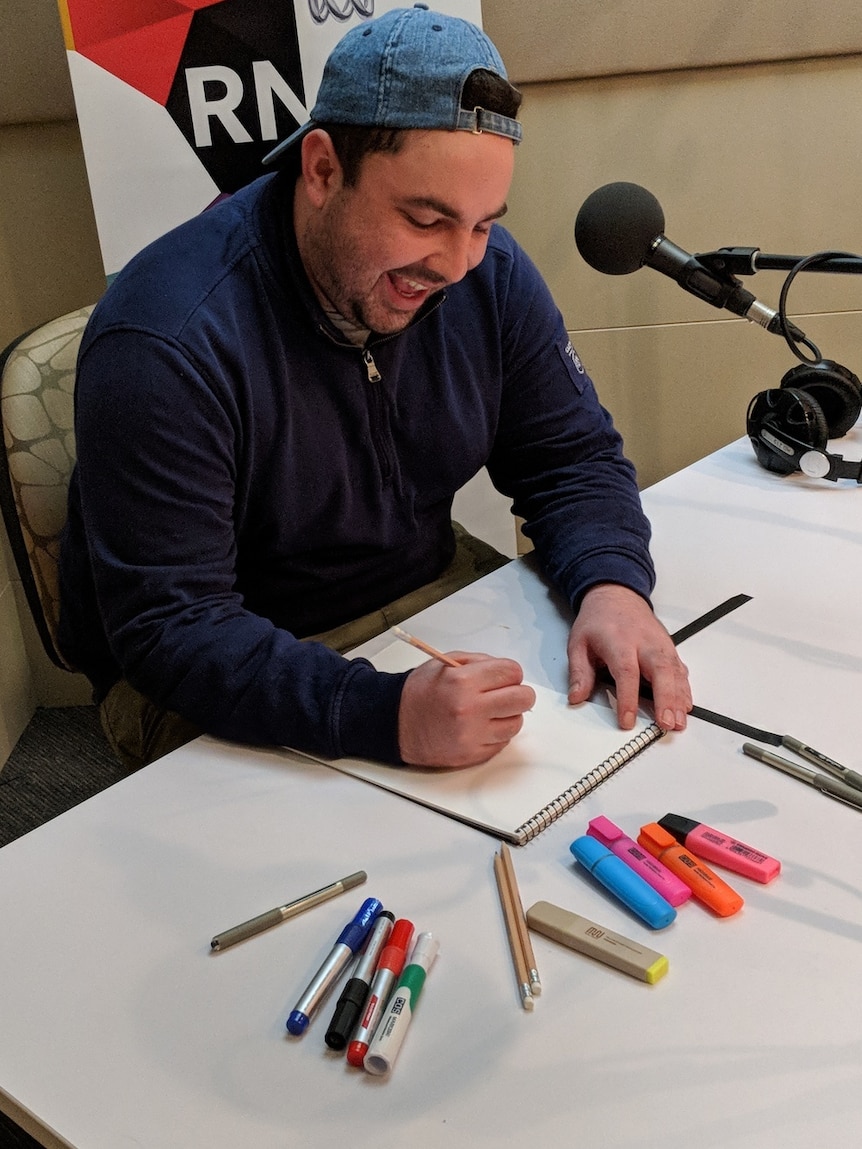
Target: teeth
x,y
411,284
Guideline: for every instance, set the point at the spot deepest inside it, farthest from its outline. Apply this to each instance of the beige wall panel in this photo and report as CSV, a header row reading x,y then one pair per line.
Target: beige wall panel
x,y
49,253
568,39
34,78
766,156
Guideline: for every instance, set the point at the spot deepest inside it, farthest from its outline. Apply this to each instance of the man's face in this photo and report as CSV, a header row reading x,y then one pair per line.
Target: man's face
x,y
415,221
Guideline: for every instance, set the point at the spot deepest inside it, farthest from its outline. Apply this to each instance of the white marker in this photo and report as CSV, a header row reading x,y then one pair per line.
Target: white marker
x,y
390,1032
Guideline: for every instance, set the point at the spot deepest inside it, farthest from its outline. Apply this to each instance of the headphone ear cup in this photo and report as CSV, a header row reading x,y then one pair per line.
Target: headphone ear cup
x,y
836,391
786,412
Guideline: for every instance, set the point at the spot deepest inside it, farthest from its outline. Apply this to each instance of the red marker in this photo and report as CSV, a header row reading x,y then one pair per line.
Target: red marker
x,y
385,976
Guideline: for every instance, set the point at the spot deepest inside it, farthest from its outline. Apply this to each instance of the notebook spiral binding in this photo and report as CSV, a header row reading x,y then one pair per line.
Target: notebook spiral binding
x,y
584,786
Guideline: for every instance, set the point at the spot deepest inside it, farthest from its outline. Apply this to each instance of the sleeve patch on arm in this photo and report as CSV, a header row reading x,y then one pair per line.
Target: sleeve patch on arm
x,y
573,363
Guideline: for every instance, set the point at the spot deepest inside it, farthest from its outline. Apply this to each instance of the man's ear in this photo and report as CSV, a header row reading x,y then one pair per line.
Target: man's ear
x,y
321,170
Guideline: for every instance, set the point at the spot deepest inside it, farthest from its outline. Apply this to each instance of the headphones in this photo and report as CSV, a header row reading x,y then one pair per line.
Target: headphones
x,y
789,426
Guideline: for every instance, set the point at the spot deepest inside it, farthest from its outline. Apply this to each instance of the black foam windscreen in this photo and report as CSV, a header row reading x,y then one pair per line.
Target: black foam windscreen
x,y
616,226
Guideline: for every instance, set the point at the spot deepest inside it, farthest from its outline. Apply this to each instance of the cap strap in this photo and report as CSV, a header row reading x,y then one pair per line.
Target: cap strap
x,y
481,120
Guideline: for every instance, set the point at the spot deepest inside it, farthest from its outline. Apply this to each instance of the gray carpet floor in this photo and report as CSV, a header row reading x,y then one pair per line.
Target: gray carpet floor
x,y
60,759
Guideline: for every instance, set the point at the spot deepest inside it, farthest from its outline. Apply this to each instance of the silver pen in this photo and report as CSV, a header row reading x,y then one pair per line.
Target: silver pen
x,y
282,913
349,941
844,773
821,782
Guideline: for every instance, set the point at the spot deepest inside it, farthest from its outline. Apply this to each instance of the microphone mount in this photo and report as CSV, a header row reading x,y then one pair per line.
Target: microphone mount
x,y
733,261
727,262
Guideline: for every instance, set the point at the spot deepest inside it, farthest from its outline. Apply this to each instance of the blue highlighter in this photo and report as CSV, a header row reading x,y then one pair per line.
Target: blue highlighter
x,y
623,882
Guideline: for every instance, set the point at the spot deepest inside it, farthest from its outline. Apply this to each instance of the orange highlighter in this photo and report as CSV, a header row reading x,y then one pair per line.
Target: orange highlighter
x,y
705,885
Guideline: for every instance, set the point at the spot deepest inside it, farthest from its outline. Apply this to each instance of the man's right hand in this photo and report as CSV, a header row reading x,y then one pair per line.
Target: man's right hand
x,y
461,715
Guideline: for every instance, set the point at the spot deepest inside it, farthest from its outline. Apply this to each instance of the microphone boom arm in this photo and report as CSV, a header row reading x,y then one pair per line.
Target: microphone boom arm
x,y
748,260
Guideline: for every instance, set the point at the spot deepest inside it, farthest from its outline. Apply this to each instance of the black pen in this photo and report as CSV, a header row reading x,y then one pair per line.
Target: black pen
x,y
349,1007
821,782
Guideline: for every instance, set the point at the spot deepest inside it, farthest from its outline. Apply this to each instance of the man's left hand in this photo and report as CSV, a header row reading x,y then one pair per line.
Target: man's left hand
x,y
616,628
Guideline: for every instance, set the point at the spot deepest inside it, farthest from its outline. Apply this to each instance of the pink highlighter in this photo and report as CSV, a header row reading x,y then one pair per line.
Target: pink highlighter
x,y
718,847
671,888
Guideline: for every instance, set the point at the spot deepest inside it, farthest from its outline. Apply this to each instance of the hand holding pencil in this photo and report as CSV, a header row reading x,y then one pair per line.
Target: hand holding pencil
x,y
460,709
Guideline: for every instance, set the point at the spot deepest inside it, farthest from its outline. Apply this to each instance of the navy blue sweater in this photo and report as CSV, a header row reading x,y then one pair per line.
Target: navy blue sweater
x,y
242,481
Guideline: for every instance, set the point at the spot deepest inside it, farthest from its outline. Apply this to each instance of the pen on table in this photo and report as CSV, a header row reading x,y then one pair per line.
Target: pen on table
x,y
282,913
425,647
353,997
821,782
346,945
393,1025
843,773
521,920
388,971
519,958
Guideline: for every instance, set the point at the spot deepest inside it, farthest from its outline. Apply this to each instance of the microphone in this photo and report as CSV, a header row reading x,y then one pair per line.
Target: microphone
x,y
620,228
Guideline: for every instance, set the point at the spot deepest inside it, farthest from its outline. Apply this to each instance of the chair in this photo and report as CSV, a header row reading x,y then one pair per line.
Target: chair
x,y
37,384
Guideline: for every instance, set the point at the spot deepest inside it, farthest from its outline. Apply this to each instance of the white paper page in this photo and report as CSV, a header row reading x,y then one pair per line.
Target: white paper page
x,y
558,745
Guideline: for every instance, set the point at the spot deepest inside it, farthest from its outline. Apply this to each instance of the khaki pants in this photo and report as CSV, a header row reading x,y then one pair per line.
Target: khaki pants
x,y
139,731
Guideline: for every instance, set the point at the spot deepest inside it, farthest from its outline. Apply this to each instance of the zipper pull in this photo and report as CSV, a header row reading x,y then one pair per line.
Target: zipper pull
x,y
374,375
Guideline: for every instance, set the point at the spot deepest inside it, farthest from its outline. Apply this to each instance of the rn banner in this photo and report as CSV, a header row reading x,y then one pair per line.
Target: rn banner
x,y
179,100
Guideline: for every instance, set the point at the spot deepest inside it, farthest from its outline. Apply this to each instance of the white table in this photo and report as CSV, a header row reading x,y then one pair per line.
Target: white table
x,y
119,1027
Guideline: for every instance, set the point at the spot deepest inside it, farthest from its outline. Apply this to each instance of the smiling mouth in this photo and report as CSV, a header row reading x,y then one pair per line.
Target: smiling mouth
x,y
408,288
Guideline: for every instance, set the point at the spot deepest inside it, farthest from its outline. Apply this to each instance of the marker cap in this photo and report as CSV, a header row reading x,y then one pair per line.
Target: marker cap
x,y
297,1022
677,825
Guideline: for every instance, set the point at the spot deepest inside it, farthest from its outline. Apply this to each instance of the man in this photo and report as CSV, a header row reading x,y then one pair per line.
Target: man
x,y
276,403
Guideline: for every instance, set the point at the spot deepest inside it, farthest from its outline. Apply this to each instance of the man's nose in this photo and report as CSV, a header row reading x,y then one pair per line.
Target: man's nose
x,y
462,251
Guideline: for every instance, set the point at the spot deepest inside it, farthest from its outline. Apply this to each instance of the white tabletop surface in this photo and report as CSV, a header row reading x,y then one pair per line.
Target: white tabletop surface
x,y
121,1028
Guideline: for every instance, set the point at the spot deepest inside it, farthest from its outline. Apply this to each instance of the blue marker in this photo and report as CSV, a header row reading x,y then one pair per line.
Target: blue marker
x,y
623,882
349,941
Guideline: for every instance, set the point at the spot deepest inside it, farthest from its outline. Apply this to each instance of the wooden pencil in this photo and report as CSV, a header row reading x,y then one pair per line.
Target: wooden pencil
x,y
426,647
509,916
521,920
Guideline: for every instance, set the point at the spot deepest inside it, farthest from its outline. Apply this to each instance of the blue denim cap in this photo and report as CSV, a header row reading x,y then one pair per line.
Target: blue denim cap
x,y
406,69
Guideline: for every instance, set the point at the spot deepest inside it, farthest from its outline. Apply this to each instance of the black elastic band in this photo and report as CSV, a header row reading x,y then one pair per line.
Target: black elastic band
x,y
711,616
711,715
733,724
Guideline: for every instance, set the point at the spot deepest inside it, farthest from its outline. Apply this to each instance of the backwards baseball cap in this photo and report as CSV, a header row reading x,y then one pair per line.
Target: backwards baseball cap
x,y
406,69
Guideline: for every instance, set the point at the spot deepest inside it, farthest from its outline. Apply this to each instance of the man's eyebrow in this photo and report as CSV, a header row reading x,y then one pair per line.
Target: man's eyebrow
x,y
445,209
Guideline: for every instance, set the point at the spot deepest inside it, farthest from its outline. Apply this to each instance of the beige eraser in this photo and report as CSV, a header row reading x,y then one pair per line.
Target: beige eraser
x,y
588,938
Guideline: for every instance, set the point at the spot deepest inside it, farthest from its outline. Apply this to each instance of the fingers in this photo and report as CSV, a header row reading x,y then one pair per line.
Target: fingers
x,y
616,630
463,715
671,692
582,676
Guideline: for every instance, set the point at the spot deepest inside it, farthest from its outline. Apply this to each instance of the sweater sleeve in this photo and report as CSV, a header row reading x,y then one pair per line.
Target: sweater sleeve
x,y
159,487
558,455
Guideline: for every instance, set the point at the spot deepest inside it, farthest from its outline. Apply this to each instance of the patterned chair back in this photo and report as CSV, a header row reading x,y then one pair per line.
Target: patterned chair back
x,y
37,386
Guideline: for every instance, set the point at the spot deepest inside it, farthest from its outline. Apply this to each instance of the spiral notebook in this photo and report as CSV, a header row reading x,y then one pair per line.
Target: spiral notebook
x,y
562,754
